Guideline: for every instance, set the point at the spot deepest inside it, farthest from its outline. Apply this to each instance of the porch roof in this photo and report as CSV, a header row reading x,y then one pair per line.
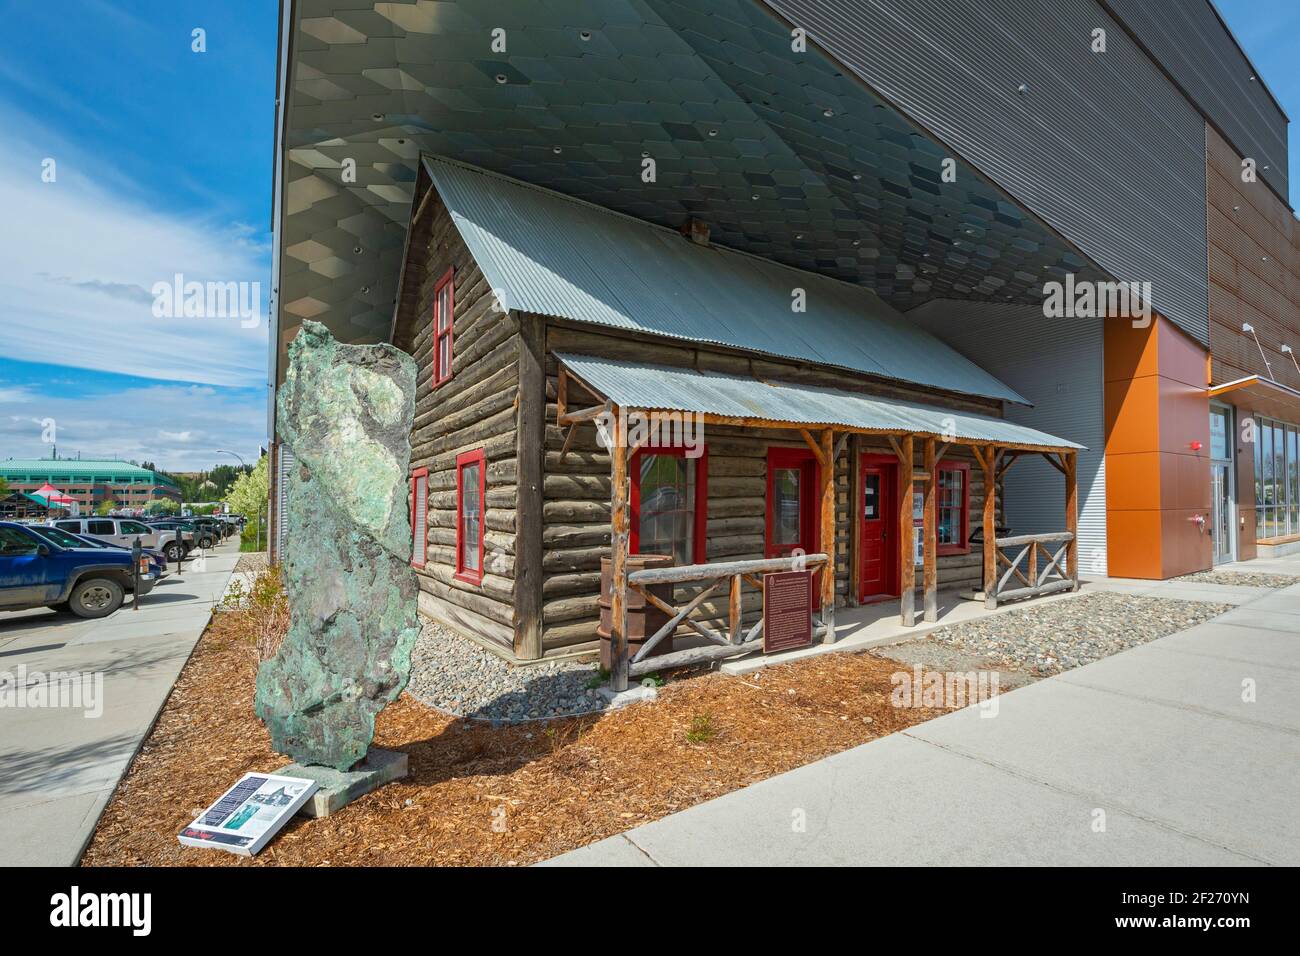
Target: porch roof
x,y
1261,396
744,400
551,254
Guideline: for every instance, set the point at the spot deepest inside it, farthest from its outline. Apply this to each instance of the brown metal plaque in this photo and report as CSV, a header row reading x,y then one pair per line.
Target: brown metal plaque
x,y
787,610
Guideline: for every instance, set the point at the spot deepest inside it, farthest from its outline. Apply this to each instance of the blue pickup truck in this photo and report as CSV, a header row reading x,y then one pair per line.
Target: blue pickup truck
x,y
87,582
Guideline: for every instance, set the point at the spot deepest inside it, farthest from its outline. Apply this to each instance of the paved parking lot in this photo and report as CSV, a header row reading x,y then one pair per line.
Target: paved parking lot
x,y
60,765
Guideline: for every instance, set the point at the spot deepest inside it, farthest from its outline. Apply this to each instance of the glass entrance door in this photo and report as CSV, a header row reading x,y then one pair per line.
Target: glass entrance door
x,y
1222,528
1221,497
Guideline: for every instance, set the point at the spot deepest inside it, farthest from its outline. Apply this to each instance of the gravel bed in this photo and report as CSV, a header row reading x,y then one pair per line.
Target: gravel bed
x,y
253,561
458,677
1046,639
1245,579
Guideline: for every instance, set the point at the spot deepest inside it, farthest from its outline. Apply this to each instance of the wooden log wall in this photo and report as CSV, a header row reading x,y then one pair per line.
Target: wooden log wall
x,y
476,408
576,507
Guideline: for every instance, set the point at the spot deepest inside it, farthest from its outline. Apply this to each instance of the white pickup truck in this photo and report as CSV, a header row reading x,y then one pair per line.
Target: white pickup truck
x,y
123,532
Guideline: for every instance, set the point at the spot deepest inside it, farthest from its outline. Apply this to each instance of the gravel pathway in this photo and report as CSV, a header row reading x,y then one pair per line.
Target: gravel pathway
x,y
1047,639
1246,579
458,677
252,561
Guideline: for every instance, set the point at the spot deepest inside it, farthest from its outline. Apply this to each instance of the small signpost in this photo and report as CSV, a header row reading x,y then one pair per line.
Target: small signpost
x,y
249,814
787,610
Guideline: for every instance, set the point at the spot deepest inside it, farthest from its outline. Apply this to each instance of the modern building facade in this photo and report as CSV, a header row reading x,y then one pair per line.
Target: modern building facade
x,y
90,482
954,159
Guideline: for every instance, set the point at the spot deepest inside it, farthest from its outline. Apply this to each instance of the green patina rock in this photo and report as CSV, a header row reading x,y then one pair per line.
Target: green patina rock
x,y
346,412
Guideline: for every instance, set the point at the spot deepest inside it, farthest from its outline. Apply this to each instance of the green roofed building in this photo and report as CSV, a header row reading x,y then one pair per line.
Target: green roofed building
x,y
88,482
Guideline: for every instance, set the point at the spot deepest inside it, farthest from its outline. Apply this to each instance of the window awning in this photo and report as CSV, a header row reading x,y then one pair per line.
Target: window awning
x,y
744,400
1261,395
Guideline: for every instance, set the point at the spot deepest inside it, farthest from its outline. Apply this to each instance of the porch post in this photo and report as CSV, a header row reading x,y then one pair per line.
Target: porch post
x,y
828,543
1072,516
931,532
619,491
989,461
906,569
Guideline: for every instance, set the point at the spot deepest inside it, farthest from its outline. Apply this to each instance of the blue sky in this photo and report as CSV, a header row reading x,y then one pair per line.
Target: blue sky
x,y
163,164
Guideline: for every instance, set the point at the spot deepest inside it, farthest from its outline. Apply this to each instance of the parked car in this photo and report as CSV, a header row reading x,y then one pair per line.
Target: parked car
x,y
204,536
66,539
87,582
123,532
213,523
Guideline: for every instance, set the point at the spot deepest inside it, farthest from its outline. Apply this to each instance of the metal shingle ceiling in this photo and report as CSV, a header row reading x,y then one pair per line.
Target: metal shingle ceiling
x,y
550,254
658,387
717,98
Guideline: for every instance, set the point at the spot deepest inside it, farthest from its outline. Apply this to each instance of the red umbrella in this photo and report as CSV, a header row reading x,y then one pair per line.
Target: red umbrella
x,y
52,495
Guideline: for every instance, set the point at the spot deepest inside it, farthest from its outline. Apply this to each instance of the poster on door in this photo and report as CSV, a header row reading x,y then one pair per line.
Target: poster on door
x,y
918,522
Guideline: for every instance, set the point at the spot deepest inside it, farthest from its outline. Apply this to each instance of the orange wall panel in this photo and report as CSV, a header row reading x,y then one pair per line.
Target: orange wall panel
x,y
1157,482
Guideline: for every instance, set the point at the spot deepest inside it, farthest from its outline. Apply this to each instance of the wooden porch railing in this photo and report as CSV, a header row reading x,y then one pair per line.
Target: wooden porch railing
x,y
736,640
1034,582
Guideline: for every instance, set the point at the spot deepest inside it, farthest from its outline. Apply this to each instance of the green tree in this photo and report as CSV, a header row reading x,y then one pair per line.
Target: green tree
x,y
4,488
248,495
105,506
162,506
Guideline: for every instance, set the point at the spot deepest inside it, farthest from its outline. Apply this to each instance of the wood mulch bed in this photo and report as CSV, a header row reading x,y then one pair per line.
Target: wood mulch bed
x,y
479,795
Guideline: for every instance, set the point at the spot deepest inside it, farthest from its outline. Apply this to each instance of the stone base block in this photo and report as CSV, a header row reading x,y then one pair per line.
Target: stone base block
x,y
635,694
338,788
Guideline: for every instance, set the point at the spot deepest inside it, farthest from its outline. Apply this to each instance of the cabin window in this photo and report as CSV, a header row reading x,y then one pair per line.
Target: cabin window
x,y
419,517
471,496
669,504
444,301
953,507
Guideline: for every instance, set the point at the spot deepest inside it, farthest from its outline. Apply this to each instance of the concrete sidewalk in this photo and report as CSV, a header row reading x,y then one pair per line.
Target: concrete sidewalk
x,y
1154,744
59,767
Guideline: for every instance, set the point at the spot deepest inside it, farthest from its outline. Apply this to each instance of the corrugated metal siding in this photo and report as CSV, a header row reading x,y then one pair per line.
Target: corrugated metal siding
x,y
1102,146
660,387
1192,43
553,255
1060,369
286,461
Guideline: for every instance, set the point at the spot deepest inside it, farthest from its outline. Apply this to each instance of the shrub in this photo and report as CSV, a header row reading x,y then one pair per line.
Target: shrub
x,y
258,613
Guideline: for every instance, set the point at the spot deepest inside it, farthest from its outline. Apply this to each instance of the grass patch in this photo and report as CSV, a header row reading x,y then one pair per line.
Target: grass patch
x,y
702,729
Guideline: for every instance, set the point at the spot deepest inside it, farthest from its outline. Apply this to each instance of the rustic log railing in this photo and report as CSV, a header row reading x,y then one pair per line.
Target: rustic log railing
x,y
736,640
1054,576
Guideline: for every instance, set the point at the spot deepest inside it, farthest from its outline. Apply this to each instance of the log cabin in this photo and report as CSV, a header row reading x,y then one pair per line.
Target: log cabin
x,y
593,387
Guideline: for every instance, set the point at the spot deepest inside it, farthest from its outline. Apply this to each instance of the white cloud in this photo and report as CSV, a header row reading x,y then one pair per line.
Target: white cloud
x,y
16,395
79,256
125,424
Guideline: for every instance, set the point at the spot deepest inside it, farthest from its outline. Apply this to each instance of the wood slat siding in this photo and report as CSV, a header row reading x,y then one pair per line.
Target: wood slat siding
x,y
1254,262
475,408
576,524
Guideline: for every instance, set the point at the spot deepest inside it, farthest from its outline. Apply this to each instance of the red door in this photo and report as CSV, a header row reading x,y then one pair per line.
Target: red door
x,y
879,569
792,506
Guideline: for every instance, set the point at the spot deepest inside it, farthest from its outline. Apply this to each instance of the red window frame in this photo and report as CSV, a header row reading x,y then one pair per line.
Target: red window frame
x,y
963,547
415,494
778,457
701,516
469,575
441,374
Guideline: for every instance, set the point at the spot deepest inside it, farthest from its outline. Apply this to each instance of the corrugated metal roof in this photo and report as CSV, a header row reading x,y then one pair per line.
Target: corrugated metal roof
x,y
79,468
553,255
660,387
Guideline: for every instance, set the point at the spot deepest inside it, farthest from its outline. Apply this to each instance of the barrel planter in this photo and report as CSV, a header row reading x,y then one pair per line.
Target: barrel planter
x,y
643,619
